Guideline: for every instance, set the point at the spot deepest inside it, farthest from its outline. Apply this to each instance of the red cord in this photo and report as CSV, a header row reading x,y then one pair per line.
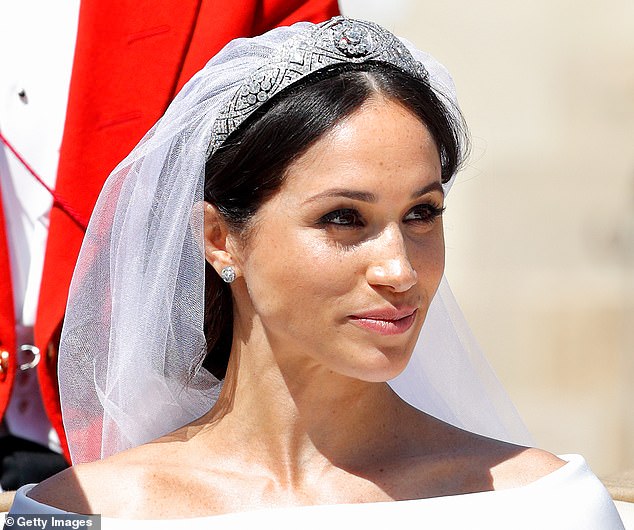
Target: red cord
x,y
58,201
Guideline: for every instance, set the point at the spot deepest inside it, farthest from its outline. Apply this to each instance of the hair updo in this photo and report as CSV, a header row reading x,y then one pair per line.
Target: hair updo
x,y
251,164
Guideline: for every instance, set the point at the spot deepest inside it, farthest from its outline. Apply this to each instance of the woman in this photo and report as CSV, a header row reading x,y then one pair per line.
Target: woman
x,y
304,172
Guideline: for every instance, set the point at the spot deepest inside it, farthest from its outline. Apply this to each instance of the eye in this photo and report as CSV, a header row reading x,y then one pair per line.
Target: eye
x,y
345,217
424,213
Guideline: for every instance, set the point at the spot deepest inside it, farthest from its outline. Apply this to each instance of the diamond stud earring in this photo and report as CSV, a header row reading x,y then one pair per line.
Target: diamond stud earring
x,y
228,274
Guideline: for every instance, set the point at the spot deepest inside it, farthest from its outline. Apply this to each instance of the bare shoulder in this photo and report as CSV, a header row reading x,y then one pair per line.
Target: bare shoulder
x,y
116,486
70,489
451,461
87,488
507,465
524,465
510,465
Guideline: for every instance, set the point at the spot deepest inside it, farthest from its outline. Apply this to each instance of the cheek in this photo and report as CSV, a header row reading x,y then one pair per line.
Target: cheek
x,y
294,274
429,260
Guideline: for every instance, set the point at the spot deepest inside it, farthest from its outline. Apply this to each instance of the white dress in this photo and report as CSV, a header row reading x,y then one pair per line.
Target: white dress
x,y
569,498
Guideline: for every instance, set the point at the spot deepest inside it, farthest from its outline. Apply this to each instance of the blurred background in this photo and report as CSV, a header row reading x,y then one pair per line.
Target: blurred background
x,y
540,223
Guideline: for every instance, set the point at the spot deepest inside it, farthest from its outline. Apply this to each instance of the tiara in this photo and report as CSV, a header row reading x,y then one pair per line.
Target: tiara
x,y
337,41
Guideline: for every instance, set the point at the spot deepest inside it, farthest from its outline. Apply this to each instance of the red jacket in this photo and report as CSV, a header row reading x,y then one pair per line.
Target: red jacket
x,y
131,58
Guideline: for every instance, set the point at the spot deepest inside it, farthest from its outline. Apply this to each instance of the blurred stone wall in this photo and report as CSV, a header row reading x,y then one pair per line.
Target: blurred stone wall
x,y
540,224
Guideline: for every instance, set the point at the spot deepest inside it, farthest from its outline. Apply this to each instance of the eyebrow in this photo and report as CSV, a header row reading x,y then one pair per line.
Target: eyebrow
x,y
434,186
366,196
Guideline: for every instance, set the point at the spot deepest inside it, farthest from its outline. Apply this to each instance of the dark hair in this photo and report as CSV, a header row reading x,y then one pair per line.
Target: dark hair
x,y
251,165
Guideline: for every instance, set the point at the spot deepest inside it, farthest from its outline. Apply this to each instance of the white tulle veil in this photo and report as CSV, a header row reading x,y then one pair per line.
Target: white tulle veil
x,y
133,330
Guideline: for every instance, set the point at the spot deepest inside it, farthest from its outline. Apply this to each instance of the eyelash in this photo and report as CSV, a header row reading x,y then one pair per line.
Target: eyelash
x,y
355,220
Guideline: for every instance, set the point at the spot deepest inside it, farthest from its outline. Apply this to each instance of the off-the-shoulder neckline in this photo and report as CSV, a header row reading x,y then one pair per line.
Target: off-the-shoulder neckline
x,y
574,463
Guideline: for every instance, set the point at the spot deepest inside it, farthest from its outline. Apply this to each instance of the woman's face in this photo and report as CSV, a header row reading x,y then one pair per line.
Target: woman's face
x,y
342,263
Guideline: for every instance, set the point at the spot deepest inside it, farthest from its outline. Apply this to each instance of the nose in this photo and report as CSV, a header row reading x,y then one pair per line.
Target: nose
x,y
390,266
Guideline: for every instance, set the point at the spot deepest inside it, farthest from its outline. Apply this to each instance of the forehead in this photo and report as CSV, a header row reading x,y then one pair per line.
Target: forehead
x,y
380,145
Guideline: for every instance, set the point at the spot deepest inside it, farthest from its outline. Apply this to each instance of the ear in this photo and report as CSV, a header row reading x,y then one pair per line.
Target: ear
x,y
218,241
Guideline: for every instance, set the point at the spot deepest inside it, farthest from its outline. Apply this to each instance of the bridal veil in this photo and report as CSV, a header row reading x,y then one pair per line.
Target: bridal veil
x,y
133,331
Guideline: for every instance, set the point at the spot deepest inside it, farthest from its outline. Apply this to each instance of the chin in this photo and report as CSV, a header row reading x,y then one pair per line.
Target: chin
x,y
382,368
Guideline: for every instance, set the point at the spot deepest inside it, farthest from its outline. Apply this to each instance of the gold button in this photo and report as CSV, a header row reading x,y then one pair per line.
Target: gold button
x,y
4,364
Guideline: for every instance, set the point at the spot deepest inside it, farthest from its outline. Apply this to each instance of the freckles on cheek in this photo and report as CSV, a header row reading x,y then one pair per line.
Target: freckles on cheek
x,y
322,270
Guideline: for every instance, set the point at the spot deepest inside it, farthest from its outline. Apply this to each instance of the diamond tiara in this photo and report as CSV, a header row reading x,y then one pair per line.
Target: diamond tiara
x,y
338,41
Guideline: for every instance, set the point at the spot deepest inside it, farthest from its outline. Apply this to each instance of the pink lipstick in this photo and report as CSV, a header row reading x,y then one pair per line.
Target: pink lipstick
x,y
386,321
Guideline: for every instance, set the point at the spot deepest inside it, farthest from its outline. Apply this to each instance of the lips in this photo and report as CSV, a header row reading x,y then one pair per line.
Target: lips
x,y
388,321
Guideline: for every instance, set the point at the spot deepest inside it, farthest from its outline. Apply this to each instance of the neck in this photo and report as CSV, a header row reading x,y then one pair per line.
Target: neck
x,y
297,415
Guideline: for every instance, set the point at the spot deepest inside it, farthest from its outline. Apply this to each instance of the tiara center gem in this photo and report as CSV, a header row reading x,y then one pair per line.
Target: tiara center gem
x,y
353,40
